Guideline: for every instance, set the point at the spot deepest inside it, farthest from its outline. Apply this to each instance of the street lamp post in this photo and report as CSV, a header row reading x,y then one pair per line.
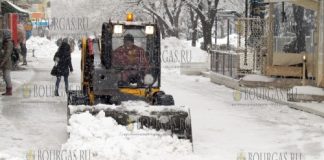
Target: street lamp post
x,y
304,70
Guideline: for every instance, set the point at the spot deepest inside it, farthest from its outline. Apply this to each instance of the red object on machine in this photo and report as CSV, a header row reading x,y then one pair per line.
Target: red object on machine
x,y
90,46
13,19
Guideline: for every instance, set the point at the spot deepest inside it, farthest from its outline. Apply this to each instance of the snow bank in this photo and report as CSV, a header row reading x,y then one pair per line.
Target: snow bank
x,y
45,49
108,140
178,45
42,46
175,52
259,78
308,90
233,40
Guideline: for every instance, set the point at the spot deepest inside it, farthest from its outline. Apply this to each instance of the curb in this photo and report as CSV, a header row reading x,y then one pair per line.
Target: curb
x,y
234,84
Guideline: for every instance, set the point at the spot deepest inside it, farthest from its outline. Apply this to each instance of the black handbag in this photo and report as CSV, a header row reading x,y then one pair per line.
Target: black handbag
x,y
15,55
54,70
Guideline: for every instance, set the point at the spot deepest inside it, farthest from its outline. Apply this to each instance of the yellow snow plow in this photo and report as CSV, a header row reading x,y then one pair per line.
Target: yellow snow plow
x,y
124,65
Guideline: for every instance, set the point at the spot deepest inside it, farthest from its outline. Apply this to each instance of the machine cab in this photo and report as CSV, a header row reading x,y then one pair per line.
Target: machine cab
x,y
130,57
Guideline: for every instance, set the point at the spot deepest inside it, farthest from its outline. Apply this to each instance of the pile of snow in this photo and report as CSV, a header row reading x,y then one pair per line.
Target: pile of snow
x,y
108,140
175,51
139,107
257,78
42,46
45,49
233,40
308,90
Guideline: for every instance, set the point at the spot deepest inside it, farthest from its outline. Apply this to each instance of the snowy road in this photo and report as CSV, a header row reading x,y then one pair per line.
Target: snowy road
x,y
222,127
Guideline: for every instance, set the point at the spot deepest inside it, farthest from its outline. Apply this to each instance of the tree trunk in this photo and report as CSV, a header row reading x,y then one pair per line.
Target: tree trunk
x,y
162,29
300,29
194,37
222,30
207,33
194,22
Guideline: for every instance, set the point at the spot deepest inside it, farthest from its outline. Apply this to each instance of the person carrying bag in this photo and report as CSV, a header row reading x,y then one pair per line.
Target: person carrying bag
x,y
63,66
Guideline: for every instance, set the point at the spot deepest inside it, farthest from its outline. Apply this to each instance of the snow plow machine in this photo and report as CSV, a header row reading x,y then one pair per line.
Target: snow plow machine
x,y
124,65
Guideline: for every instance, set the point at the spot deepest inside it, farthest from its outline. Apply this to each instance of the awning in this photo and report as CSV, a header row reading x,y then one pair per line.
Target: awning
x,y
8,7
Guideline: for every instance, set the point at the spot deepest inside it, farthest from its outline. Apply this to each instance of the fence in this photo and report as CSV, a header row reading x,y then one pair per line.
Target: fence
x,y
225,63
245,55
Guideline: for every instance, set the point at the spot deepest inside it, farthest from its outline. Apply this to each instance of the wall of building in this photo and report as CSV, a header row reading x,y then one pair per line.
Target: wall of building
x,y
321,46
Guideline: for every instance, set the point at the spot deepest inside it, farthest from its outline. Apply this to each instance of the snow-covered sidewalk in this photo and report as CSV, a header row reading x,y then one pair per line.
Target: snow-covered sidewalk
x,y
33,119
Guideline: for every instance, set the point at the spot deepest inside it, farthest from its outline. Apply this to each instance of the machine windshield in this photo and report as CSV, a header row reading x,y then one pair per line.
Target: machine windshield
x,y
129,50
130,56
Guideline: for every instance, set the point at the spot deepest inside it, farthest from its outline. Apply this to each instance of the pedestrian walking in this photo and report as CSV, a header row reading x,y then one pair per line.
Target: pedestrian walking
x,y
63,62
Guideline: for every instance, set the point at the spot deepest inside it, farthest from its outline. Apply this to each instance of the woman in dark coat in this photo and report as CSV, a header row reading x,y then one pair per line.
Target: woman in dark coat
x,y
64,65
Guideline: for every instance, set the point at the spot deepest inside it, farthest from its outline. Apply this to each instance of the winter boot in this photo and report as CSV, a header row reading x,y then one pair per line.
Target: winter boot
x,y
56,93
8,92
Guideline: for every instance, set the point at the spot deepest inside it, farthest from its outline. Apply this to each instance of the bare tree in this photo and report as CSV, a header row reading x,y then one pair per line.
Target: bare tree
x,y
167,14
206,11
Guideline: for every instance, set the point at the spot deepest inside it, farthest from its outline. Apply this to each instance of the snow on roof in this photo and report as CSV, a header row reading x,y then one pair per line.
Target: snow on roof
x,y
18,8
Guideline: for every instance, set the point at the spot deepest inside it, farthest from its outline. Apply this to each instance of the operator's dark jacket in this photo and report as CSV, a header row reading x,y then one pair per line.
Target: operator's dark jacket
x,y
64,65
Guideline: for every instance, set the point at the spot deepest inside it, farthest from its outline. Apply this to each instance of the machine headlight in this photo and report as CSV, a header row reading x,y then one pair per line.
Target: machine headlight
x,y
118,29
148,79
149,29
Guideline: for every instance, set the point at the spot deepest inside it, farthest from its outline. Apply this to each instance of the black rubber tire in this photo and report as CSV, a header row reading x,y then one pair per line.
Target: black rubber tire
x,y
162,99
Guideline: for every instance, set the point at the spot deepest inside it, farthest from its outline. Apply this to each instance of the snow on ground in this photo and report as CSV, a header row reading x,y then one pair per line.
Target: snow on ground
x,y
259,78
223,127
8,157
309,90
175,51
33,118
38,44
233,40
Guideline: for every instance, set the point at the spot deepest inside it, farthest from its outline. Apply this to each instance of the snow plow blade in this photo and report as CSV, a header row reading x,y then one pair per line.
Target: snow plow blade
x,y
172,119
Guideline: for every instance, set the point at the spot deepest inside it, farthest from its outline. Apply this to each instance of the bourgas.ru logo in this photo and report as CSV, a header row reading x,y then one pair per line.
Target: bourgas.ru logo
x,y
45,90
253,94
269,156
176,56
59,155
